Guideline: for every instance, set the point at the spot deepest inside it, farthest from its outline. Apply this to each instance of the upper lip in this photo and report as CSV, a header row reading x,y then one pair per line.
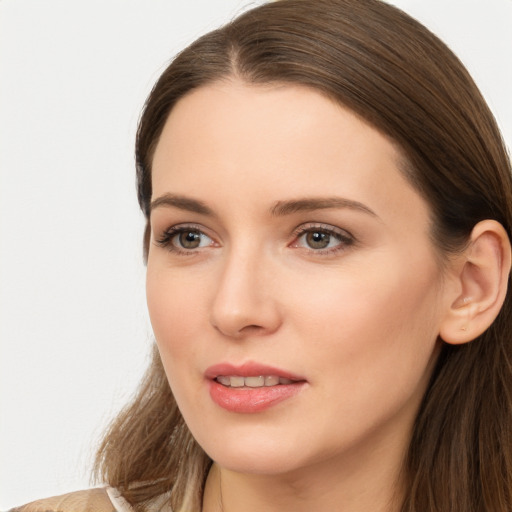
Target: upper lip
x,y
249,369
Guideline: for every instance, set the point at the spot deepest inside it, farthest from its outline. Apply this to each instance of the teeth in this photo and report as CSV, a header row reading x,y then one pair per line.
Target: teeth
x,y
255,382
235,381
225,381
271,380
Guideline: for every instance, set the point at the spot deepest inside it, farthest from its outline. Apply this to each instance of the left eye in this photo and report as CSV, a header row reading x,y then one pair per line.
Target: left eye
x,y
320,239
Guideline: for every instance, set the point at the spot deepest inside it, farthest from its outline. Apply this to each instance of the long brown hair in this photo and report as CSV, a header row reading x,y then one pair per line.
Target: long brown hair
x,y
392,71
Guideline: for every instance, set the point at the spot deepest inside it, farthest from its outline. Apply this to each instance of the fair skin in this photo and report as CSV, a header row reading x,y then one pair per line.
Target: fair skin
x,y
297,244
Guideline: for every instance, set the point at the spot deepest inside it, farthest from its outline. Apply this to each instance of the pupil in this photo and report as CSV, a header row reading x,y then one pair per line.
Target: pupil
x,y
318,240
190,239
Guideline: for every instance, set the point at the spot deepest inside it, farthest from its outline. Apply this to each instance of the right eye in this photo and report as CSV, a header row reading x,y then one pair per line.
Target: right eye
x,y
184,239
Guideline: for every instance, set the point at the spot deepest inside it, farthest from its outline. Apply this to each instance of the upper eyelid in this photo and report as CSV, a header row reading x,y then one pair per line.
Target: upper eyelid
x,y
296,232
169,231
183,226
309,226
304,226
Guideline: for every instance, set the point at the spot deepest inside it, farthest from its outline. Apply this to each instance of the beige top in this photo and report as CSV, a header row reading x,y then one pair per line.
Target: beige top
x,y
102,499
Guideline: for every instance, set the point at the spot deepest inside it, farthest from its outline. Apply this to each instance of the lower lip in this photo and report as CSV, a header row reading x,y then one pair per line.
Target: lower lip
x,y
251,400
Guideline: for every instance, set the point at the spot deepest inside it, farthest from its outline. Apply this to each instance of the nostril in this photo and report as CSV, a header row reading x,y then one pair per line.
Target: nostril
x,y
252,328
249,330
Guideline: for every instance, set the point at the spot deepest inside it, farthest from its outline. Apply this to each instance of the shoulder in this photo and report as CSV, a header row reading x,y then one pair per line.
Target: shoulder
x,y
91,500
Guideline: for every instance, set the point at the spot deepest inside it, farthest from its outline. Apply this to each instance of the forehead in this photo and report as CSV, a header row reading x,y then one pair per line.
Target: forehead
x,y
266,141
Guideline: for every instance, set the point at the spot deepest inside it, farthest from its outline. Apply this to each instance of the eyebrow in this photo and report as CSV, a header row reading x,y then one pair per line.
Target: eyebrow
x,y
320,203
280,208
182,203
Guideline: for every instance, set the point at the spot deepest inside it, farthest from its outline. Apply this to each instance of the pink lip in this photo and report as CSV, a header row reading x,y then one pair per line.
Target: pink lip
x,y
250,400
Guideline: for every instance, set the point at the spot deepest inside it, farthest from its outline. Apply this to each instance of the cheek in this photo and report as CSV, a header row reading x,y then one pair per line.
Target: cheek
x,y
381,322
177,322
371,348
175,311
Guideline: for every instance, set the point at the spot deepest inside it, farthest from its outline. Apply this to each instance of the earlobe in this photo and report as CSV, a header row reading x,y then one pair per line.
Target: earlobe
x,y
482,278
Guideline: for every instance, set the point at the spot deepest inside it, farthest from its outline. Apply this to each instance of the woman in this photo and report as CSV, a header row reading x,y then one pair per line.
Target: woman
x,y
329,207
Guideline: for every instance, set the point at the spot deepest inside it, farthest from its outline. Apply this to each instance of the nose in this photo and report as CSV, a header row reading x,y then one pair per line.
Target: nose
x,y
244,304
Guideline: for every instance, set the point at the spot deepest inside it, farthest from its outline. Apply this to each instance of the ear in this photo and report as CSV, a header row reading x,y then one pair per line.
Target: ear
x,y
481,277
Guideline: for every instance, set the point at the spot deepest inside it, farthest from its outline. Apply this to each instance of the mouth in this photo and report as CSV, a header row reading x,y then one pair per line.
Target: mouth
x,y
260,381
251,387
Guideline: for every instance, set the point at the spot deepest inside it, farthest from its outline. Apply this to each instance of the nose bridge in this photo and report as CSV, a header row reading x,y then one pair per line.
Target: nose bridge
x,y
243,300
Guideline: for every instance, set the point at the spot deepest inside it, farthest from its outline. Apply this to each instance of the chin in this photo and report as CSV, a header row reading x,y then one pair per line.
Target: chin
x,y
259,457
259,464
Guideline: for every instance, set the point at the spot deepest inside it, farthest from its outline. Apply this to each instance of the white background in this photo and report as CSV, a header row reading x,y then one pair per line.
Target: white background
x,y
73,324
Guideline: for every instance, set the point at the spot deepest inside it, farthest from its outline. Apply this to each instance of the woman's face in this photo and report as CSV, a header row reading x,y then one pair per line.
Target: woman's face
x,y
293,289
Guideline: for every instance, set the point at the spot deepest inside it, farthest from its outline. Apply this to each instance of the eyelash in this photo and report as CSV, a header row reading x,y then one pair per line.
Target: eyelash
x,y
166,240
344,238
